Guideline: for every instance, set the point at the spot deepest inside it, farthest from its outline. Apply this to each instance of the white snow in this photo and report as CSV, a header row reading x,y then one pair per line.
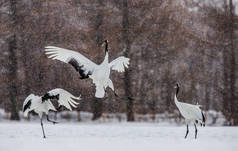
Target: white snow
x,y
94,136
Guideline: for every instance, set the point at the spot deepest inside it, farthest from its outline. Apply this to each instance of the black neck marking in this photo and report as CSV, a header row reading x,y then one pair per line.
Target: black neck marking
x,y
106,46
177,91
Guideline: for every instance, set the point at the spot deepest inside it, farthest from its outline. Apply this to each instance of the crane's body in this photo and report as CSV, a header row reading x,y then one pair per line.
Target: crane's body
x,y
37,105
101,78
100,74
191,113
41,105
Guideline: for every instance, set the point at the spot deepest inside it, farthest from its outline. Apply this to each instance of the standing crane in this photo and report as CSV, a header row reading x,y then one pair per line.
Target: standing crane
x,y
191,113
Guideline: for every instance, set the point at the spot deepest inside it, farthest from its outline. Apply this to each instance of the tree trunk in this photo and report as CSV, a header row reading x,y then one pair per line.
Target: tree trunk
x,y
97,104
207,97
232,67
127,75
229,69
12,77
97,107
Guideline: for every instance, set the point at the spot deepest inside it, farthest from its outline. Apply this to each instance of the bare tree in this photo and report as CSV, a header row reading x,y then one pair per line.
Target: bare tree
x,y
127,45
229,60
97,104
223,41
12,58
166,41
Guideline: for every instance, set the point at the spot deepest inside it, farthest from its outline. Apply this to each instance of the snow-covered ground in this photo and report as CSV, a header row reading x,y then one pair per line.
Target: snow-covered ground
x,y
93,136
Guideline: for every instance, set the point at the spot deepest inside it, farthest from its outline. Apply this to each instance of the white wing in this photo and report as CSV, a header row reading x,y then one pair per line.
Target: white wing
x,y
28,98
31,102
83,65
119,64
191,111
64,98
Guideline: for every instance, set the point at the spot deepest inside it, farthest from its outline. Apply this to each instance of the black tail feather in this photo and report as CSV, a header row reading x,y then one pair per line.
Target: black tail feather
x,y
203,119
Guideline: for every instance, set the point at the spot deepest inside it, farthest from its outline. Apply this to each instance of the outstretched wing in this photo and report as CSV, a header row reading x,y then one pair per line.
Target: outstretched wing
x,y
119,64
81,64
63,97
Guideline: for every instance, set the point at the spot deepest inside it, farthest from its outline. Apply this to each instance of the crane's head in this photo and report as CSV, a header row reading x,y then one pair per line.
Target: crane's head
x,y
27,105
177,88
105,43
177,85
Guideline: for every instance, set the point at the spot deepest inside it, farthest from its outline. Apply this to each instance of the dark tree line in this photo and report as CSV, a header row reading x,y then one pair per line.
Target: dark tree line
x,y
190,42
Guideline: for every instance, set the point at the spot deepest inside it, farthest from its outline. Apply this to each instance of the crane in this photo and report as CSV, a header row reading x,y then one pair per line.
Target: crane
x,y
41,105
88,69
191,113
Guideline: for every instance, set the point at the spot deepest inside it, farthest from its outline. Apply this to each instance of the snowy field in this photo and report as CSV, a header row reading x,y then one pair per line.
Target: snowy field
x,y
93,136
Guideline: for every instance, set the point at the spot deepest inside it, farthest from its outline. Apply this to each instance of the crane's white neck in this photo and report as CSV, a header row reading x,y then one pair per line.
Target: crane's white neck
x,y
175,99
106,58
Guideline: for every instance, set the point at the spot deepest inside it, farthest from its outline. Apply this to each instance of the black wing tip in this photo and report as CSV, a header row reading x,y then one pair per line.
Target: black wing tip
x,y
48,96
203,119
28,105
79,68
45,97
82,76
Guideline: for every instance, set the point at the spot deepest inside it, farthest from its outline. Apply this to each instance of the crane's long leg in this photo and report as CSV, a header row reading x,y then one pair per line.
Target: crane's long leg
x,y
54,122
116,95
186,132
42,128
196,131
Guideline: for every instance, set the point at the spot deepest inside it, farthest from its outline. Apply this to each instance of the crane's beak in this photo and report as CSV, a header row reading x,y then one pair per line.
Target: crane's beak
x,y
104,42
176,86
